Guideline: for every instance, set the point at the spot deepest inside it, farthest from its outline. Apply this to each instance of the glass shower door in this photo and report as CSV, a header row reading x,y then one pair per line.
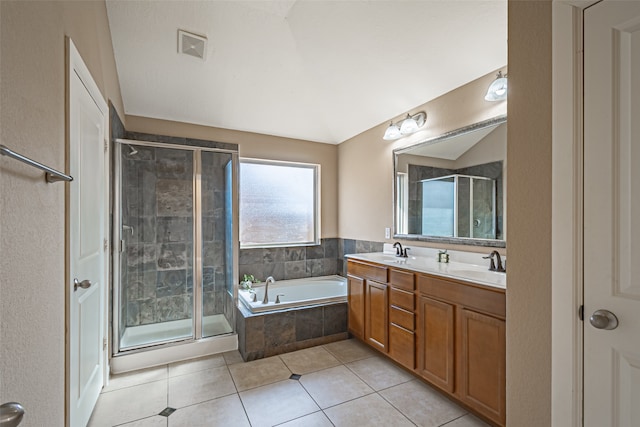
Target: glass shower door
x,y
157,234
217,243
484,208
439,206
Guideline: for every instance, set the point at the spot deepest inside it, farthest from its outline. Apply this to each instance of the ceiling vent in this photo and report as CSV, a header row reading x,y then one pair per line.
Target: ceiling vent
x,y
192,44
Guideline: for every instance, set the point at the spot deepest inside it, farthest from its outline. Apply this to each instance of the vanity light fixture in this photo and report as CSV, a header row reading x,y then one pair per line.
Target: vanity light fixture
x,y
405,127
497,89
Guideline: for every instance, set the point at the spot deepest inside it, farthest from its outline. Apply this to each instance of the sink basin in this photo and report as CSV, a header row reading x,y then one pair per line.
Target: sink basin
x,y
486,276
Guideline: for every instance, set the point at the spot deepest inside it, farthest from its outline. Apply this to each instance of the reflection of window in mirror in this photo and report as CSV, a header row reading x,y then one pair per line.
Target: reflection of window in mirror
x,y
402,191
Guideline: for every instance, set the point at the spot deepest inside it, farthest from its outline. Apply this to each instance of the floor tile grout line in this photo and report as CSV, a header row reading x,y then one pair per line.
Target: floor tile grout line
x,y
246,414
233,380
365,381
132,385
457,418
310,395
302,416
349,400
395,407
330,420
204,401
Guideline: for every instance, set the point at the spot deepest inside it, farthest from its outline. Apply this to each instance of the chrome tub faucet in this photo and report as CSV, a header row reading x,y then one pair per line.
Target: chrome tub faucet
x,y
270,279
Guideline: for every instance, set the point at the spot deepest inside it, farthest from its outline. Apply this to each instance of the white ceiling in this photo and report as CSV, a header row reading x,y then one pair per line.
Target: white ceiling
x,y
316,70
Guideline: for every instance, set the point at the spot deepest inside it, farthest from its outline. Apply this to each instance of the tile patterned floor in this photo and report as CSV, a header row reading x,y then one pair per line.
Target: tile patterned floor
x,y
342,384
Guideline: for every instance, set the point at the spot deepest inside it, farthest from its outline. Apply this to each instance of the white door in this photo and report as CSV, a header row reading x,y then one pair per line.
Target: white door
x,y
86,233
612,213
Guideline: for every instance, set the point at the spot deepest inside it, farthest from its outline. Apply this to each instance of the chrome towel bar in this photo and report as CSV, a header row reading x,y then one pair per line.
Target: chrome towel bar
x,y
51,174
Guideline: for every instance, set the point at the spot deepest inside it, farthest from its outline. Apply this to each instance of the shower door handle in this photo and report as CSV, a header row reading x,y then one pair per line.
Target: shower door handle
x,y
85,284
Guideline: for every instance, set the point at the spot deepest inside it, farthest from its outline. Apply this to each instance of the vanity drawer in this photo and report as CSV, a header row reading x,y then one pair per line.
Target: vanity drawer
x,y
401,279
401,298
401,317
367,271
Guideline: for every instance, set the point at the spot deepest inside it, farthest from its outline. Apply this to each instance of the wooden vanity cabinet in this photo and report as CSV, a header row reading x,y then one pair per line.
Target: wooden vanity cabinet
x,y
402,317
449,332
461,342
355,301
367,296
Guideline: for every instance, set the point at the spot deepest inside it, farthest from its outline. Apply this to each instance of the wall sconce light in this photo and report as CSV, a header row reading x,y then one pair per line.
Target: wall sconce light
x,y
497,89
405,127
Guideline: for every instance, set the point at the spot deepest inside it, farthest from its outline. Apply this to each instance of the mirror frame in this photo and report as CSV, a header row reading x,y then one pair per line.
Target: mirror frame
x,y
442,138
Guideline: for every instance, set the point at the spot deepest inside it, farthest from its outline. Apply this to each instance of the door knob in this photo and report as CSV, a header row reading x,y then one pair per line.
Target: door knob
x,y
85,284
604,319
11,414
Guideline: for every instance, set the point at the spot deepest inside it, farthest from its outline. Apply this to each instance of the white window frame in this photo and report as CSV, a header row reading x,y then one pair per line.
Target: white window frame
x,y
316,199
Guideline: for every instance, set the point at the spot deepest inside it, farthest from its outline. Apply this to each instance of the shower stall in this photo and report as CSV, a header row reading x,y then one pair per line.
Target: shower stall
x,y
459,206
175,250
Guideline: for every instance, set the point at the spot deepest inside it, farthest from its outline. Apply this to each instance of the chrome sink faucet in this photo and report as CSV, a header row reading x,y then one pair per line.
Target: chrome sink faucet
x,y
270,279
495,266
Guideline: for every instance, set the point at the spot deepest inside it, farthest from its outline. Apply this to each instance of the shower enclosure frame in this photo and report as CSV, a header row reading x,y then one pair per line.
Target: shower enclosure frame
x,y
456,180
197,267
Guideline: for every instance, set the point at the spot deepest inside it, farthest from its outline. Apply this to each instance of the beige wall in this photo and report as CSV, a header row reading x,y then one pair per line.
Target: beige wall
x,y
365,164
264,147
529,215
32,213
491,148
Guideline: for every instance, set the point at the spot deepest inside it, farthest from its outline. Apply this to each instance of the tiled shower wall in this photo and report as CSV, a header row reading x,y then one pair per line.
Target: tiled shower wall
x,y
296,262
157,203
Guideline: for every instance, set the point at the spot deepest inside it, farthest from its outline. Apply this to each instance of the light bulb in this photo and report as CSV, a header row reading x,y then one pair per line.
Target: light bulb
x,y
409,125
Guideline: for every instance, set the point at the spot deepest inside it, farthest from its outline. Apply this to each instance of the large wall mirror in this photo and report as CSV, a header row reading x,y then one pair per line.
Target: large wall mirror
x,y
451,188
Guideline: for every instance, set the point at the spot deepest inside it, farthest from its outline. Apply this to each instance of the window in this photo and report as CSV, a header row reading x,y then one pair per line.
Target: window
x,y
279,203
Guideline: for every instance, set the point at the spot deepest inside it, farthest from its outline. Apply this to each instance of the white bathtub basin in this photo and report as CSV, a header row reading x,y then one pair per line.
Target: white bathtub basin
x,y
296,293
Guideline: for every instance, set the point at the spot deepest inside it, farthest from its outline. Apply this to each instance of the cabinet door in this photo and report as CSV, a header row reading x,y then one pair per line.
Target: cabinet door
x,y
402,345
376,318
436,342
482,368
355,298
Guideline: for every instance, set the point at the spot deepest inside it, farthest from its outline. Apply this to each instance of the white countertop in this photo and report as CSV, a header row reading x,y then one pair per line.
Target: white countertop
x,y
469,272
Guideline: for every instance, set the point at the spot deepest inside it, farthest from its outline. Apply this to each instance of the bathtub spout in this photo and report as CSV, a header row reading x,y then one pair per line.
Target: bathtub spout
x,y
270,279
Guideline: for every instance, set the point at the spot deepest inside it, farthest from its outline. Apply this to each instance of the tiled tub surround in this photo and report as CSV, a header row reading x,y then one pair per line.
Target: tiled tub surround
x,y
267,334
296,262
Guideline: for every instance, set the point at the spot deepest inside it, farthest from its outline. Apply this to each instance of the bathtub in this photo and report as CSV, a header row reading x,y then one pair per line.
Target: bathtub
x,y
297,293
